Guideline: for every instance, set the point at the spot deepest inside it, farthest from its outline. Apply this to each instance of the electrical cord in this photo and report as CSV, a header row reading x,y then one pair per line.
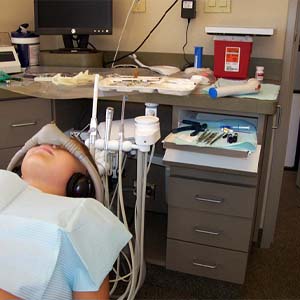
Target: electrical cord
x,y
151,158
122,32
117,186
77,40
130,289
94,48
188,63
140,228
143,42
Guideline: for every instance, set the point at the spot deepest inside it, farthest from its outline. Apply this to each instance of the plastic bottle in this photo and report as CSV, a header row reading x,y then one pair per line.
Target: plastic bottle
x,y
198,57
259,74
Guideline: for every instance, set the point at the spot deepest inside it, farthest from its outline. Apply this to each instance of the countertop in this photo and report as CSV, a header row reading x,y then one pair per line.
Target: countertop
x,y
48,90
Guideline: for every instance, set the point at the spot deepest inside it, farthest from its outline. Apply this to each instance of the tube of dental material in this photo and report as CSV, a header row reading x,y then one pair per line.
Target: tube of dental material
x,y
252,86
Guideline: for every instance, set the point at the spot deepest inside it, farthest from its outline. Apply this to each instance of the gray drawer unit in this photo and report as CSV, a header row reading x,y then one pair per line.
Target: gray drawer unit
x,y
6,155
20,119
211,207
213,197
206,261
209,229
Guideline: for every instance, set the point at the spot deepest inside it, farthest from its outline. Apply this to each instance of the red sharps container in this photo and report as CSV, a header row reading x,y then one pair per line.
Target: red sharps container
x,y
232,56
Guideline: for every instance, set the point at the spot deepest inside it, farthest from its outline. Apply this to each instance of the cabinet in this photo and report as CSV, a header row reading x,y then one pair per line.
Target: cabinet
x,y
19,120
210,222
212,201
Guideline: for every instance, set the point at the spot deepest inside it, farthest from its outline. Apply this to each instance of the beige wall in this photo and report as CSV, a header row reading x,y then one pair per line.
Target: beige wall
x,y
170,35
15,12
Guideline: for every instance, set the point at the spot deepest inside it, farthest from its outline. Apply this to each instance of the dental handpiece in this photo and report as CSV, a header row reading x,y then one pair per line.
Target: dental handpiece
x,y
108,124
94,122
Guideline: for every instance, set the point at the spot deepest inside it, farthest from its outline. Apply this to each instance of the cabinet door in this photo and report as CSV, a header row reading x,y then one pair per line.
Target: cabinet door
x,y
20,119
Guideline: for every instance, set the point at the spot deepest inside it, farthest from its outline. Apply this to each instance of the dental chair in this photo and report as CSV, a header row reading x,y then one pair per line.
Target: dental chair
x,y
147,133
46,235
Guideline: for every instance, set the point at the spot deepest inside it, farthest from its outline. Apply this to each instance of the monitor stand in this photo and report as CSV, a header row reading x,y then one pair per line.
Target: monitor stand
x,y
75,43
82,41
73,50
71,56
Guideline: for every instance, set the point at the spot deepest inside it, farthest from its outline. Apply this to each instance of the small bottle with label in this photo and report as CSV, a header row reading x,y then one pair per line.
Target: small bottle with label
x,y
259,74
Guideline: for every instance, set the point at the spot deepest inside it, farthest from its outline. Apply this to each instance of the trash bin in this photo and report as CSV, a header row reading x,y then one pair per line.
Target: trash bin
x,y
27,45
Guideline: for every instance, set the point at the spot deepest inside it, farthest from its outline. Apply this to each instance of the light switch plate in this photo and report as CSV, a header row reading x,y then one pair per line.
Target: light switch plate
x,y
139,6
217,6
212,3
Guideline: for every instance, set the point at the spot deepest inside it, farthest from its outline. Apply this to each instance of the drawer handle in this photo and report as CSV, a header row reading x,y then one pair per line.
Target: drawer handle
x,y
204,265
207,232
23,124
198,198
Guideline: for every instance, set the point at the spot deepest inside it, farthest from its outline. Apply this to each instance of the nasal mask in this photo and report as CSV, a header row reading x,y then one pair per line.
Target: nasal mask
x,y
79,184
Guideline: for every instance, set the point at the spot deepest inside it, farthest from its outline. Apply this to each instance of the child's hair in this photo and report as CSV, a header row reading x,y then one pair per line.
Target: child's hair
x,y
85,150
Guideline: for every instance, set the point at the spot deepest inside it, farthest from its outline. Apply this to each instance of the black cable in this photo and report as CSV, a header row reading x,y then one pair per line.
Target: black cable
x,y
77,40
143,42
89,43
186,42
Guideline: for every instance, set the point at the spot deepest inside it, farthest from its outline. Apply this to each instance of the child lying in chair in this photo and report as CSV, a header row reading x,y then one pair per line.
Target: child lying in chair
x,y
49,172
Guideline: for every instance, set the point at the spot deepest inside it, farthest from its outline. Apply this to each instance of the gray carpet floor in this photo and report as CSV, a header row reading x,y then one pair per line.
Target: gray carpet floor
x,y
271,274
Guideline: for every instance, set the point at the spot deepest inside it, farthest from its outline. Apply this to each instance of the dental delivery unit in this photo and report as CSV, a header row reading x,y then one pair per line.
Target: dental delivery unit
x,y
108,152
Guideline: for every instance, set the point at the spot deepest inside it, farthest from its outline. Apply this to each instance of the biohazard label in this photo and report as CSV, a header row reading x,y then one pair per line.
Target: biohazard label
x,y
232,59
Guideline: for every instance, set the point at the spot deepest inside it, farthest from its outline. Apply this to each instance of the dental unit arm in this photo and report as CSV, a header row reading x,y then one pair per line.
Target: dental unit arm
x,y
147,133
108,124
94,123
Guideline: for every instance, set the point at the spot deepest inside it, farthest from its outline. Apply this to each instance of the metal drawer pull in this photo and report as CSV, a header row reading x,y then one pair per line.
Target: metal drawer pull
x,y
198,198
23,124
208,232
278,117
204,265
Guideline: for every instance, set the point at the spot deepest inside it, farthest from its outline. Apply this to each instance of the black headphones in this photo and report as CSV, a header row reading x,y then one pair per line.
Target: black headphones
x,y
78,186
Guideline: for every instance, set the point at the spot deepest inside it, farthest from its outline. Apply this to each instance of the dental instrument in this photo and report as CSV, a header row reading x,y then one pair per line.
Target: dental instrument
x,y
193,125
217,138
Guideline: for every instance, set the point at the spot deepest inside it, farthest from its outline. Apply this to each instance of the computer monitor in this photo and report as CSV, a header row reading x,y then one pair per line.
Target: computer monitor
x,y
75,20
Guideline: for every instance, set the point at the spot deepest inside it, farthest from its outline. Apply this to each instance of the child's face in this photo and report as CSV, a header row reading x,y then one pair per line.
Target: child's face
x,y
49,168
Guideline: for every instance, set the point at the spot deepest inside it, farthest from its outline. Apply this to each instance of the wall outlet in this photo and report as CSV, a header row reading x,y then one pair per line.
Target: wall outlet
x,y
139,6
